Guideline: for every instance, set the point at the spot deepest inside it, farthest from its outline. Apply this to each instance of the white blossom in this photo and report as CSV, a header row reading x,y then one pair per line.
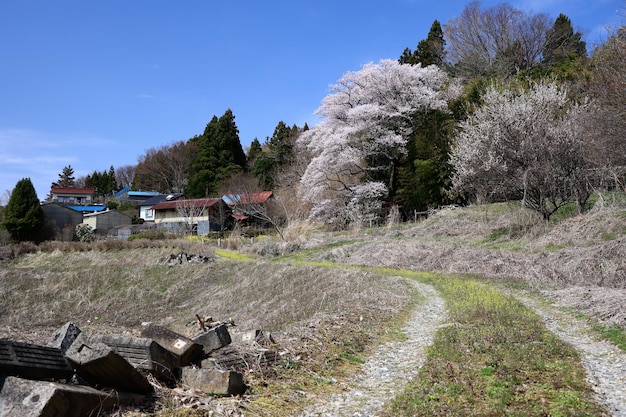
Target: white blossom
x,y
366,120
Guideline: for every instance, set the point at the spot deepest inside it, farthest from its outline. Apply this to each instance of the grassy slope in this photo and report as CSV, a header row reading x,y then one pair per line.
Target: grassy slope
x,y
324,316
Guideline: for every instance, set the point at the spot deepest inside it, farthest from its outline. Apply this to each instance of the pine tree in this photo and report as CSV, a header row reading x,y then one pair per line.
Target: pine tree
x,y
66,178
255,150
429,51
562,43
219,156
24,217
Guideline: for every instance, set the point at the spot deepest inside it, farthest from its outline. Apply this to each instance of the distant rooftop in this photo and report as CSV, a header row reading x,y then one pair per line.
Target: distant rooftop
x,y
89,209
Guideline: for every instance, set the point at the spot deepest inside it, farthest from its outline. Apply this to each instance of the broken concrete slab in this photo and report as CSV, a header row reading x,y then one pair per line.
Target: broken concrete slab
x,y
26,398
214,339
213,381
142,353
99,365
32,361
253,336
183,348
63,337
241,360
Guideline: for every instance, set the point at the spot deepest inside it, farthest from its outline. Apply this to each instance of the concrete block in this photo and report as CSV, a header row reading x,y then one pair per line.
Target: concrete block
x,y
213,381
99,365
26,398
32,361
214,339
253,336
64,336
183,348
142,353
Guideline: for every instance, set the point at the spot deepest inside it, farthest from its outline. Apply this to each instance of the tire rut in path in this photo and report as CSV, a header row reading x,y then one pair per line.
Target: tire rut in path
x,y
391,367
605,363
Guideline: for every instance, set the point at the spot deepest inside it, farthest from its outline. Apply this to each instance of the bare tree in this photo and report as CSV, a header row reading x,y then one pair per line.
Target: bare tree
x,y
124,175
287,185
247,199
499,40
166,168
607,124
191,210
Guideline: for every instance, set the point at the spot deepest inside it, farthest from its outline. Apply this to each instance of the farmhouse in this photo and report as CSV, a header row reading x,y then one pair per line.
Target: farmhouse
x,y
191,216
146,208
81,196
249,207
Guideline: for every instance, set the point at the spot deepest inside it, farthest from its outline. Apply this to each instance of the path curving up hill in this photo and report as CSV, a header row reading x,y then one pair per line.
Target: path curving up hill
x,y
390,367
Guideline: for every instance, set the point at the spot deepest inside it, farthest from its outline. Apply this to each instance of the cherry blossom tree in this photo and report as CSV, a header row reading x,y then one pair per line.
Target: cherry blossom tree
x,y
366,120
524,144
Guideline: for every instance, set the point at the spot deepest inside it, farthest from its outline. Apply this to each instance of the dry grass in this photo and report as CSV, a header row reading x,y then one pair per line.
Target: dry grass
x,y
324,318
126,287
584,253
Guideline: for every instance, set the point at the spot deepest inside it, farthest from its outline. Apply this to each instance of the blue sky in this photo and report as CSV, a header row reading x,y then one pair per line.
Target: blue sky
x,y
96,83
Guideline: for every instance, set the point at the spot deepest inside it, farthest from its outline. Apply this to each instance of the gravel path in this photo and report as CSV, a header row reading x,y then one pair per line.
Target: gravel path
x,y
605,363
391,367
396,363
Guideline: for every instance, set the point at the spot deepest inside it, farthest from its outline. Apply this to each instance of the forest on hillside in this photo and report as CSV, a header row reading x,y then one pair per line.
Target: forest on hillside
x,y
496,104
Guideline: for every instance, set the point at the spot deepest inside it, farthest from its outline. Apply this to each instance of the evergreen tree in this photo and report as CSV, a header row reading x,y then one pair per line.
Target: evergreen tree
x,y
24,217
562,43
429,51
278,152
103,182
219,156
255,150
281,143
66,178
424,175
263,170
564,55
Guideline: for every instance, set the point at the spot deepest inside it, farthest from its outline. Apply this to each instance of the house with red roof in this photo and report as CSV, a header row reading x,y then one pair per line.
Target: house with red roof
x,y
249,207
72,196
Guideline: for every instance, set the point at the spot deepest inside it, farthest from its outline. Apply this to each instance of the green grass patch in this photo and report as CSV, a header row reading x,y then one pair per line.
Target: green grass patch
x,y
495,358
613,334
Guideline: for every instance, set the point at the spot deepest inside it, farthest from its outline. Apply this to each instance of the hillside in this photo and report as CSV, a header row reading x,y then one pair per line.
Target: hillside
x,y
328,318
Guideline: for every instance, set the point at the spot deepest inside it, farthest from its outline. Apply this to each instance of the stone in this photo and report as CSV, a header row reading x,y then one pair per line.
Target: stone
x,y
64,336
183,348
99,365
213,381
26,398
214,339
32,361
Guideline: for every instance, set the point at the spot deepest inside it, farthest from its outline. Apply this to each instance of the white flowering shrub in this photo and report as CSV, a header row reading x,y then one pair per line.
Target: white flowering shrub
x,y
525,144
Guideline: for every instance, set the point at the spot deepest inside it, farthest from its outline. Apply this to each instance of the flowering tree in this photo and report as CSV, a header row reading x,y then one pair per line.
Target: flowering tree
x,y
367,119
525,144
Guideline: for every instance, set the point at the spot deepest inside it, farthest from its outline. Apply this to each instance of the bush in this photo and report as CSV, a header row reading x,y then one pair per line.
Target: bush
x,y
85,233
